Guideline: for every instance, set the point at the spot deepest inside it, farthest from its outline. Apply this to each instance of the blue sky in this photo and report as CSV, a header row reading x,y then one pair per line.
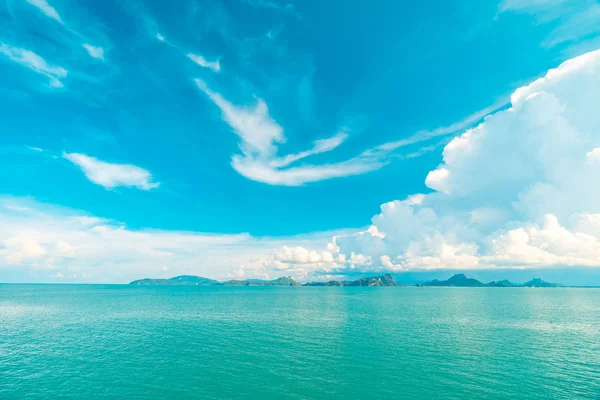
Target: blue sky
x,y
263,118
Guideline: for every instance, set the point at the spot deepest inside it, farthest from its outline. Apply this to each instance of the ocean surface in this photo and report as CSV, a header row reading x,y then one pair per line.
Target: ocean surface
x,y
126,342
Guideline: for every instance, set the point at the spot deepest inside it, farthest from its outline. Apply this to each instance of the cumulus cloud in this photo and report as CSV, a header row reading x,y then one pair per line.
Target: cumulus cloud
x,y
94,51
519,190
201,61
300,261
550,244
304,263
35,63
112,175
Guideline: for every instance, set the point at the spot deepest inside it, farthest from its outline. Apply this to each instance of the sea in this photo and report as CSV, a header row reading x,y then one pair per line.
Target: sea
x,y
206,342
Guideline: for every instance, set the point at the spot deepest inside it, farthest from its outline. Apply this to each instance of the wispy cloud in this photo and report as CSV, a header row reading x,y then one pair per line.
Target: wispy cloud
x,y
35,63
575,20
320,146
94,51
261,135
112,175
258,131
47,9
261,171
272,5
43,5
454,128
194,57
201,61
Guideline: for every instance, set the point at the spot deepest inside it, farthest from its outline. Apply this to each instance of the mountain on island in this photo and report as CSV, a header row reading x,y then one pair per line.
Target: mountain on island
x,y
283,281
383,280
200,281
177,280
328,283
537,282
460,280
503,283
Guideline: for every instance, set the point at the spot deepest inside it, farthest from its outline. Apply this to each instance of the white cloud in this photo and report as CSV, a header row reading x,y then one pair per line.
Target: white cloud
x,y
260,134
594,155
414,199
94,51
50,12
319,146
41,241
35,63
304,263
22,249
49,238
112,175
261,171
520,190
258,131
530,4
35,149
552,244
160,37
436,179
286,256
574,20
426,135
273,5
201,61
47,9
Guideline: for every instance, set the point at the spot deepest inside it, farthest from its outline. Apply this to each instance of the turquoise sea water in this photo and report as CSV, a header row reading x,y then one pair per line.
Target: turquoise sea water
x,y
124,342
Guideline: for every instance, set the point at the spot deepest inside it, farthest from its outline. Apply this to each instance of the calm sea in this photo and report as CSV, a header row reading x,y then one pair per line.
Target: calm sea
x,y
125,342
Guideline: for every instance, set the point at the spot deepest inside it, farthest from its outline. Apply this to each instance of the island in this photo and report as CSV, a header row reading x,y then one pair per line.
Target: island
x,y
383,280
537,282
283,281
461,280
177,280
457,280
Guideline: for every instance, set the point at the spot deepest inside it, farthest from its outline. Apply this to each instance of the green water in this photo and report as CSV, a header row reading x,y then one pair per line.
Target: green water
x,y
122,342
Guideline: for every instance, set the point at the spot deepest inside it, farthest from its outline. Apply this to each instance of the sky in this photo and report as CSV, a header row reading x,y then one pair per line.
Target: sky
x,y
262,138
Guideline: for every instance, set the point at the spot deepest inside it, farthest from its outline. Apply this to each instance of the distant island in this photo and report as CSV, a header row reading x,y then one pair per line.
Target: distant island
x,y
177,280
383,280
460,280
